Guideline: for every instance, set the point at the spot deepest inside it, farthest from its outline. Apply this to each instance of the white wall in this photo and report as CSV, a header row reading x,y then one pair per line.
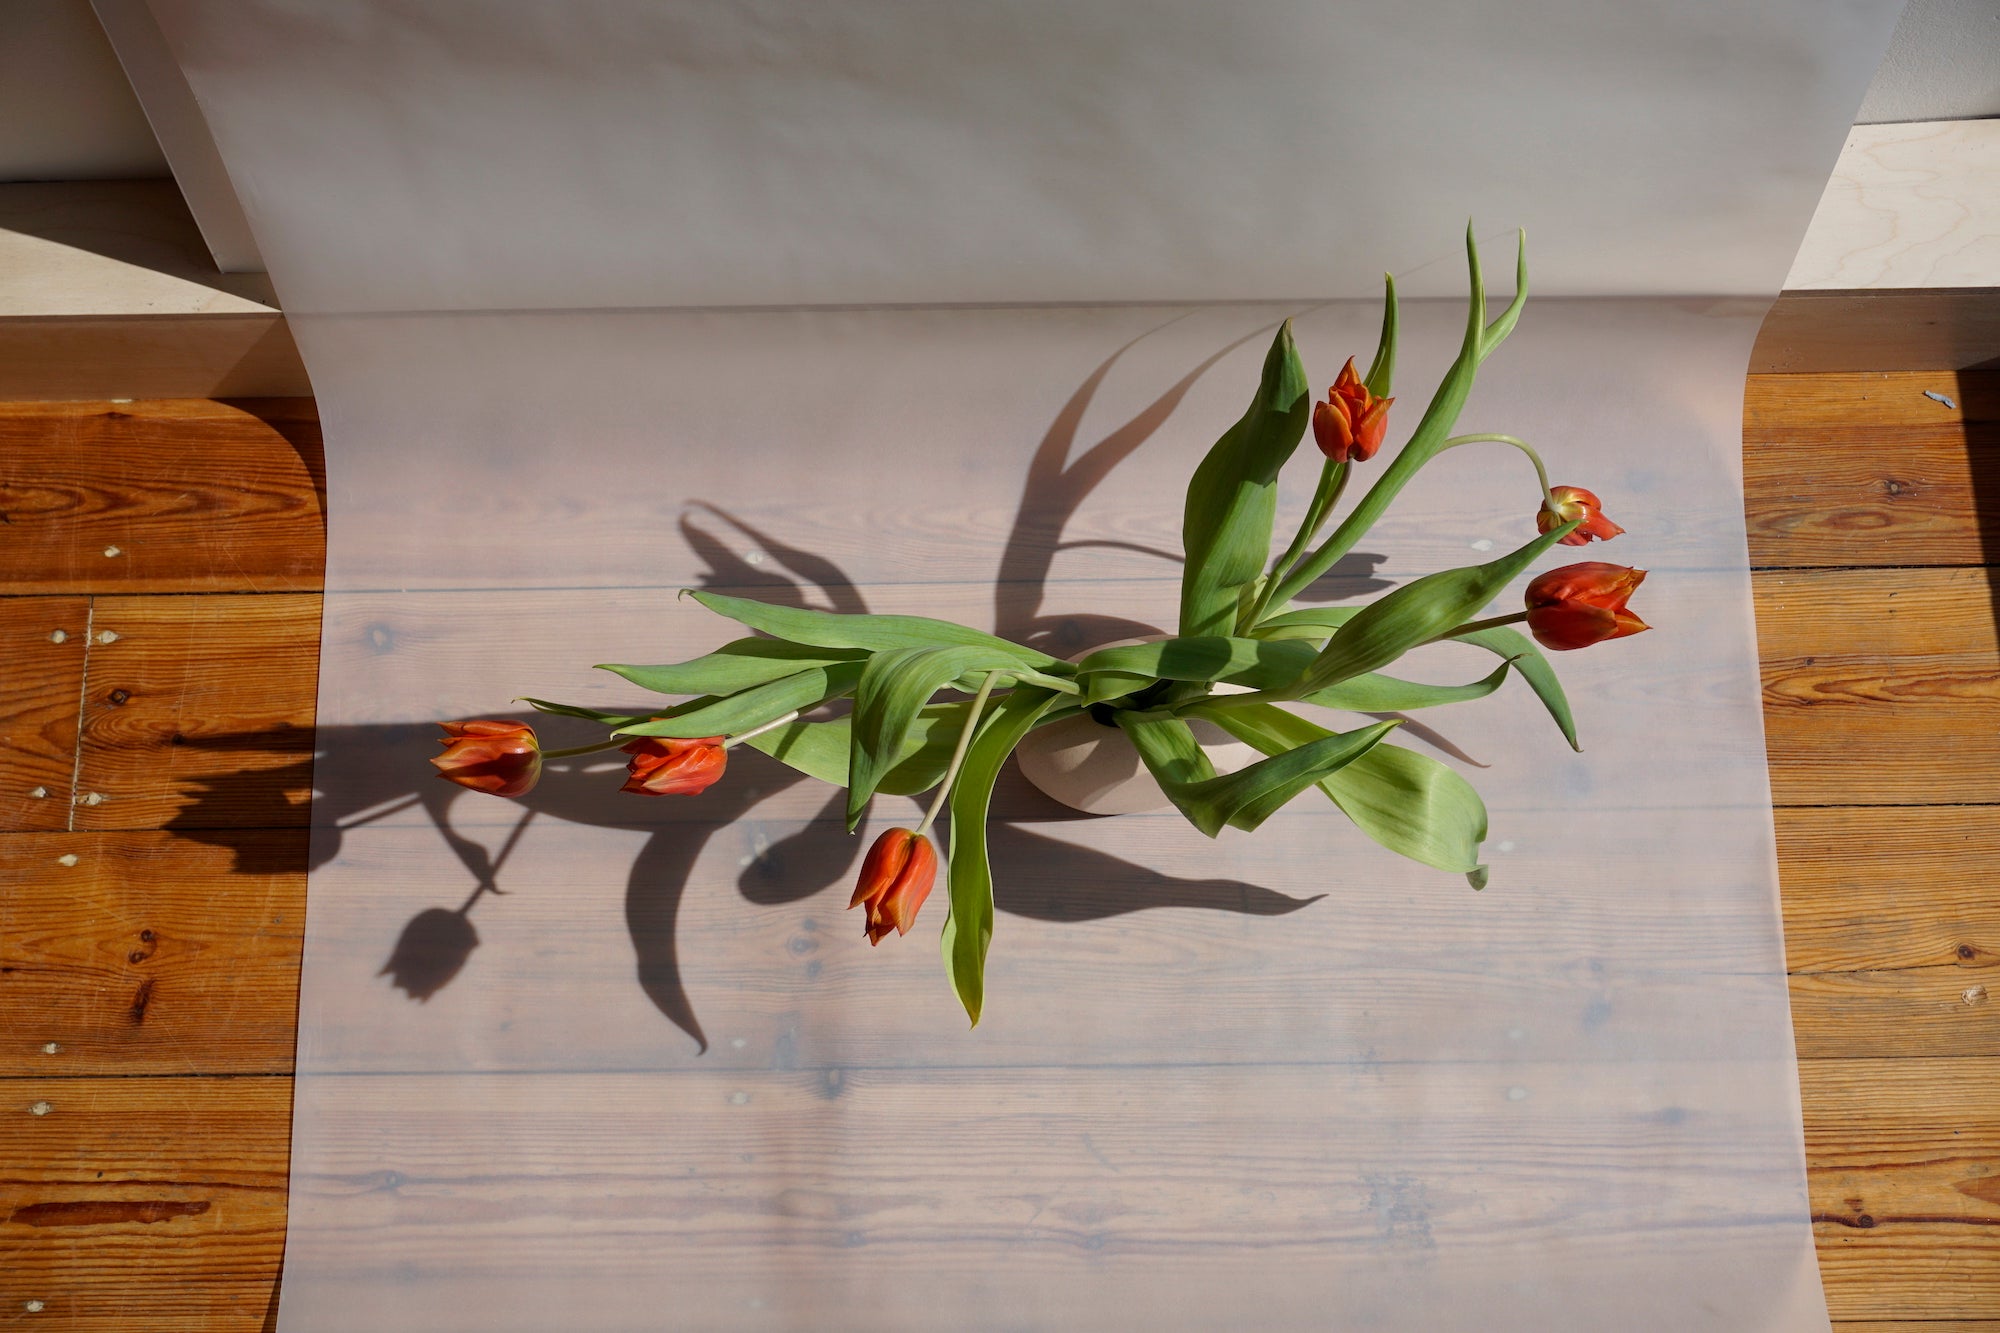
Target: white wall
x,y
1942,64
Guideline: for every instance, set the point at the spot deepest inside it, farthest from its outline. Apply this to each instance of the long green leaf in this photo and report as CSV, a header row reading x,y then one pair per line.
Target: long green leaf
x,y
1382,371
820,749
1111,672
573,710
1233,496
969,929
1408,802
1432,430
826,629
753,707
1418,612
894,686
1372,693
734,666
1519,649
1320,622
1244,799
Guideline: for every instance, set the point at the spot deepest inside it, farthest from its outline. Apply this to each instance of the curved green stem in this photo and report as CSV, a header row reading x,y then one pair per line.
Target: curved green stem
x,y
772,725
1474,626
958,754
1541,473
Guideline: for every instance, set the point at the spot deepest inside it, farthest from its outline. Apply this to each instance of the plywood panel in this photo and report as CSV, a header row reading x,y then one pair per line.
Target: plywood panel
x,y
150,952
43,643
154,496
198,712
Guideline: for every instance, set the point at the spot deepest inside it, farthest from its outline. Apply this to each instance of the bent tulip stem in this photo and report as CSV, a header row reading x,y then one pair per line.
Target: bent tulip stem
x,y
772,725
1056,683
1541,473
958,754
1474,626
1332,483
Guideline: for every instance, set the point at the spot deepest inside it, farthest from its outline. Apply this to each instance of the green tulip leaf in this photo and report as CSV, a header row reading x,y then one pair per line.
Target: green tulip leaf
x,y
1520,650
1372,693
1321,621
821,749
624,719
1382,371
1244,799
1233,497
828,629
968,931
1259,664
1418,612
1408,802
732,667
894,686
709,716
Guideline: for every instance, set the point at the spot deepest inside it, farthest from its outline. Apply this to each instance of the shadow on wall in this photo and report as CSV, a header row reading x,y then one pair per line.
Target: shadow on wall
x,y
376,772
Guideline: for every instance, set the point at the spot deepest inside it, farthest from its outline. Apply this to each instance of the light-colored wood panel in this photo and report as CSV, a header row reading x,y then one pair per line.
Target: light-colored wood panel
x,y
1903,1161
1879,888
142,1203
43,644
1872,495
150,952
1087,1184
89,357
1868,398
162,497
1871,677
198,712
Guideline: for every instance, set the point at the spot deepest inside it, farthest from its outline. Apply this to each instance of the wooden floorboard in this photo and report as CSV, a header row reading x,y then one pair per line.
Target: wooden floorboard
x,y
150,939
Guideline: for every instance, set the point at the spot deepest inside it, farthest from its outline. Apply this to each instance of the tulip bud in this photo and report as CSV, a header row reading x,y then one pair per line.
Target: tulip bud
x,y
896,877
1352,421
662,766
1578,605
501,758
1573,502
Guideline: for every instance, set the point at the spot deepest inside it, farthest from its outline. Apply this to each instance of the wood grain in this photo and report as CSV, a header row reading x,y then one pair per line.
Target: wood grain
x,y
1875,889
43,643
150,952
1880,898
1871,677
1903,1160
198,712
191,357
142,1203
162,497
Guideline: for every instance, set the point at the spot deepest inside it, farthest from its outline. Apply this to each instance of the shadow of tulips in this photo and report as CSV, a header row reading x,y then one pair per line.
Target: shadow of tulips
x,y
365,773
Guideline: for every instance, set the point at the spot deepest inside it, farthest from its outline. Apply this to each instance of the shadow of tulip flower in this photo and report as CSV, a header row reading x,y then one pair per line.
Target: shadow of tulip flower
x,y
369,773
431,951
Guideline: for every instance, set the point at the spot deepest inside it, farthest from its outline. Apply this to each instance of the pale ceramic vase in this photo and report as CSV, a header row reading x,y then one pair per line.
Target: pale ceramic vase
x,y
1088,766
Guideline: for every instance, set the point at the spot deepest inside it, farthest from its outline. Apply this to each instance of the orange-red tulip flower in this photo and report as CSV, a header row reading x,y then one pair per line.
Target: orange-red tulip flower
x,y
1352,421
1578,605
896,877
1571,502
662,766
502,758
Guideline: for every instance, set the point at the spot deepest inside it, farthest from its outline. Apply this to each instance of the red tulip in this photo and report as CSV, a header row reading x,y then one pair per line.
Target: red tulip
x,y
1569,502
1352,421
662,766
1578,605
502,758
896,877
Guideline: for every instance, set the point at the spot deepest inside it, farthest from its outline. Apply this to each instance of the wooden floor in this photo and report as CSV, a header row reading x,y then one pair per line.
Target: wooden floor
x,y
160,565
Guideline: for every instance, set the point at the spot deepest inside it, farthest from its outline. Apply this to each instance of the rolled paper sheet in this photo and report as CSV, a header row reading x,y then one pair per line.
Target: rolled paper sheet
x,y
550,269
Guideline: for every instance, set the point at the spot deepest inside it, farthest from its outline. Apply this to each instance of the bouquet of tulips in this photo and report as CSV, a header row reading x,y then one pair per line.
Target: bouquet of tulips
x,y
936,706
